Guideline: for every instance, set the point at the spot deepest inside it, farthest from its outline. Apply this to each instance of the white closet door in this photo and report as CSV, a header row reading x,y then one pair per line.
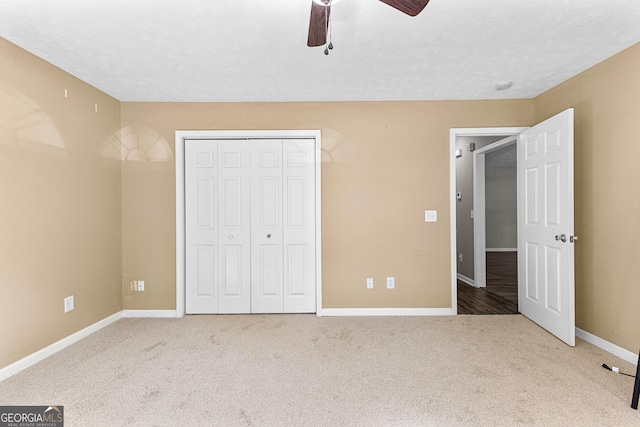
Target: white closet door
x,y
266,227
299,226
201,227
234,227
250,226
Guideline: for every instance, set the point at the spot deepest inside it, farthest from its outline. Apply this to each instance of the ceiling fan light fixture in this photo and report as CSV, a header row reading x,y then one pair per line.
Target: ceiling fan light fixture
x,y
321,11
504,85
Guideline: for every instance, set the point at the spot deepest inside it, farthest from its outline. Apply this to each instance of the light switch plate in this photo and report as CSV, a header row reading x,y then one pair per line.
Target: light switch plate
x,y
430,216
69,304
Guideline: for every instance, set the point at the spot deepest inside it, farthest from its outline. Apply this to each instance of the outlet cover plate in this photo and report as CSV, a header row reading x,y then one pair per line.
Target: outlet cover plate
x,y
140,285
391,283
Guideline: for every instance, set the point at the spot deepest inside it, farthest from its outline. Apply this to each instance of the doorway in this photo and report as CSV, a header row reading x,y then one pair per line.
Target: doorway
x,y
494,239
495,207
485,157
545,212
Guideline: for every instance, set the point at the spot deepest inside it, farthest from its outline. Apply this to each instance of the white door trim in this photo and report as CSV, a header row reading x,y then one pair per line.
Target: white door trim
x,y
453,133
479,209
181,137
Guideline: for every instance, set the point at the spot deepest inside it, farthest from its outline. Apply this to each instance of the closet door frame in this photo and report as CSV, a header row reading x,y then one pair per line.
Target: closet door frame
x,y
182,138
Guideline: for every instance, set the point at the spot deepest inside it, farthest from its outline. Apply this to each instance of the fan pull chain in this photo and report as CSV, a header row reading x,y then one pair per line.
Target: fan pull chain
x,y
330,42
330,29
327,22
327,5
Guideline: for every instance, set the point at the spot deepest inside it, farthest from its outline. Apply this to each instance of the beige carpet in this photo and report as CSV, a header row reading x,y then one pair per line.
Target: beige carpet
x,y
301,370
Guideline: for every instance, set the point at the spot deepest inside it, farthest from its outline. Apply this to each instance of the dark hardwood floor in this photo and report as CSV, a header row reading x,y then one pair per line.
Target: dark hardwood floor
x,y
501,294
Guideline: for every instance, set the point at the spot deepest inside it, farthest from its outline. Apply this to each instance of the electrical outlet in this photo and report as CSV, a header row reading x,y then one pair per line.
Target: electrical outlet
x,y
460,257
369,282
133,285
391,283
140,285
68,304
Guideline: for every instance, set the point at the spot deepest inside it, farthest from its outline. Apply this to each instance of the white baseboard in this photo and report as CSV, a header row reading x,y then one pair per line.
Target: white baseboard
x,y
620,352
501,250
388,312
39,355
466,280
149,313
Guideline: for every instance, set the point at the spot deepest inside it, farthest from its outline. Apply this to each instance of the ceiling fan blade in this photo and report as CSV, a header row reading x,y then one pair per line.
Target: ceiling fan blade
x,y
410,7
318,24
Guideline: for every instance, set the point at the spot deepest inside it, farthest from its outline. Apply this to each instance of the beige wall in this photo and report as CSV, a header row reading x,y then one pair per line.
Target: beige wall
x,y
67,198
383,164
606,99
60,204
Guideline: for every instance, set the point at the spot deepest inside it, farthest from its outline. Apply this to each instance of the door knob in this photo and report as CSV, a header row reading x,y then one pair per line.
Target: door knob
x,y
268,236
562,237
230,236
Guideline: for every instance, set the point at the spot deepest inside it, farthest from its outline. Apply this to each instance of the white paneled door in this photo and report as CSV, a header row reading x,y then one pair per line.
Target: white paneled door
x,y
201,228
234,227
545,217
250,226
298,174
266,227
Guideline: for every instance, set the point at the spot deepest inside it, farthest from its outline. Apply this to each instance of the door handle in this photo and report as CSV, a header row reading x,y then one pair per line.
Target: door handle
x,y
562,237
268,236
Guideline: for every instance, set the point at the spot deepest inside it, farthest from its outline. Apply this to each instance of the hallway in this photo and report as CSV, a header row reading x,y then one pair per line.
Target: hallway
x,y
501,294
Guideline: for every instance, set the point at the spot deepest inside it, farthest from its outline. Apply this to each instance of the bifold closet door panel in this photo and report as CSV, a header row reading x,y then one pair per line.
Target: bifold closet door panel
x,y
234,227
299,251
250,226
201,183
266,227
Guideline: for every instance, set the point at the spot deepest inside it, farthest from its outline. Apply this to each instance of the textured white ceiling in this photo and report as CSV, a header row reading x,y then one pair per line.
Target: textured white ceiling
x,y
255,50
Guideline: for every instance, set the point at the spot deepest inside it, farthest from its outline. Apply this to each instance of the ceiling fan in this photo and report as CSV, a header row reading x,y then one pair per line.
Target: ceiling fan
x,y
321,10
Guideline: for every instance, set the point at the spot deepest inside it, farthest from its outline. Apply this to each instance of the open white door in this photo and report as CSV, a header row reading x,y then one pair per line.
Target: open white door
x,y
545,226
